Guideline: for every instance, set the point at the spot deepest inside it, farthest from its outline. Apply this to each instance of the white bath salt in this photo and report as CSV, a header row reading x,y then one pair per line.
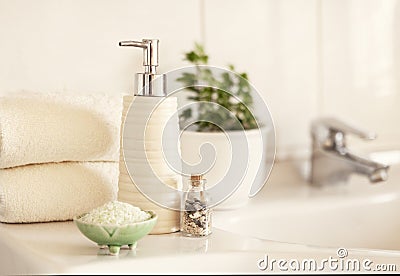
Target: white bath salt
x,y
116,213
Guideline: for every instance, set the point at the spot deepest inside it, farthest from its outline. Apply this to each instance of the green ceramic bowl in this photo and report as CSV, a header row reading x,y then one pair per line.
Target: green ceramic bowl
x,y
115,236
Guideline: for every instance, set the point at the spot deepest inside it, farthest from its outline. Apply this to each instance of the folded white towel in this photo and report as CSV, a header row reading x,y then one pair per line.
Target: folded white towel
x,y
43,128
56,191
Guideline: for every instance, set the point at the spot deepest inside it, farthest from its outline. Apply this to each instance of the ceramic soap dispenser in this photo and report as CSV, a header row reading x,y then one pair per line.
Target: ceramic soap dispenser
x,y
145,141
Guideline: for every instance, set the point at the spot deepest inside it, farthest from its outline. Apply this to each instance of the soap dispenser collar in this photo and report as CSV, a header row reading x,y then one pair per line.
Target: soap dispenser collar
x,y
148,83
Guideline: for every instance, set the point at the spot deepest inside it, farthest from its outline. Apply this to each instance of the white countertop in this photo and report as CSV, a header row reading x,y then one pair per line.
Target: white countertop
x,y
60,248
57,248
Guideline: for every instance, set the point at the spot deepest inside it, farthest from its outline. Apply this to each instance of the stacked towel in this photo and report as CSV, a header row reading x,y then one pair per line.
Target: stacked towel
x,y
54,128
55,191
58,155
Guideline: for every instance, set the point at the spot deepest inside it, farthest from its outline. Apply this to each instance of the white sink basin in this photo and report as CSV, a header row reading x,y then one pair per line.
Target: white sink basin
x,y
355,215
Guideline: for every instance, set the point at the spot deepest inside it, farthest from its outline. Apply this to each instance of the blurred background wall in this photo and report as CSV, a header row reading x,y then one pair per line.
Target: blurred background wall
x,y
307,58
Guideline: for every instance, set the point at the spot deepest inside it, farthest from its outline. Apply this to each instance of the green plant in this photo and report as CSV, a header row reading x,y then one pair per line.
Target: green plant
x,y
230,91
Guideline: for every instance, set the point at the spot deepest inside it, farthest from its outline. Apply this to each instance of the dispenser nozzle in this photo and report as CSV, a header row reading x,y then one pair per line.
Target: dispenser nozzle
x,y
150,53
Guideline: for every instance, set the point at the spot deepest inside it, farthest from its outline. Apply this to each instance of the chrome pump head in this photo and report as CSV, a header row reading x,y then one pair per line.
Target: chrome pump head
x,y
148,83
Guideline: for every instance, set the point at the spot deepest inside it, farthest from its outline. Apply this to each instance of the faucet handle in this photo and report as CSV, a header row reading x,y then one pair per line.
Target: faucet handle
x,y
336,125
332,132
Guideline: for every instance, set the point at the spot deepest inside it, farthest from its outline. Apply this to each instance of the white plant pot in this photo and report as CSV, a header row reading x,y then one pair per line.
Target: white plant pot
x,y
190,146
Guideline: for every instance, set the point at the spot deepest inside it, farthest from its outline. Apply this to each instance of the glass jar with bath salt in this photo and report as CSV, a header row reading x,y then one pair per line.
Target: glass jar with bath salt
x,y
196,214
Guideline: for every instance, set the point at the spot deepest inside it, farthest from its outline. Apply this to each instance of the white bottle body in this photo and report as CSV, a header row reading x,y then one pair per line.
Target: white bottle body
x,y
163,119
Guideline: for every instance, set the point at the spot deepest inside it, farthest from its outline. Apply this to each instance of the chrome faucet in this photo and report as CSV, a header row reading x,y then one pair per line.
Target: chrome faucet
x,y
331,160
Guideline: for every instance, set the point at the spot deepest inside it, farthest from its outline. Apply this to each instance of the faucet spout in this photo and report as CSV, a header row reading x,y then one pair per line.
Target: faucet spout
x,y
376,172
